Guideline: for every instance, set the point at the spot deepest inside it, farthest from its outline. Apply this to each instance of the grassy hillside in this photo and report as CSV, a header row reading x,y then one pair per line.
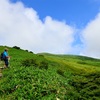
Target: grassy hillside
x,y
49,77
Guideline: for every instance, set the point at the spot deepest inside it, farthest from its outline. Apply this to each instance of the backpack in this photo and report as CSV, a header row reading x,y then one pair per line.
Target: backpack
x,y
2,56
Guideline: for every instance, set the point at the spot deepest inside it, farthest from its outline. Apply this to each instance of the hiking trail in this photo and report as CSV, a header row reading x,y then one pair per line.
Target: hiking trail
x,y
1,67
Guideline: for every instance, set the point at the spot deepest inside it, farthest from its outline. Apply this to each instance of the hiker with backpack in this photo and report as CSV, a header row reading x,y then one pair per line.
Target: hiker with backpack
x,y
5,58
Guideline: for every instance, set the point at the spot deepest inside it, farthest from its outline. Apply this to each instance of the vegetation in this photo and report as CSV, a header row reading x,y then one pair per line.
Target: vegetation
x,y
49,77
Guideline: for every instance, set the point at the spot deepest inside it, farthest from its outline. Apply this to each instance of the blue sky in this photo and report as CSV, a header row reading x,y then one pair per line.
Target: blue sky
x,y
78,12
53,26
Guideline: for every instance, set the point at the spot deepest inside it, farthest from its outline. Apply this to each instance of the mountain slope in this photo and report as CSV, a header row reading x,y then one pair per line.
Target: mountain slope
x,y
49,77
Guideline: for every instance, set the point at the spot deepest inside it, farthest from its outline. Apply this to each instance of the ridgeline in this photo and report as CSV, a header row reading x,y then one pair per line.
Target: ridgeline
x,y
49,77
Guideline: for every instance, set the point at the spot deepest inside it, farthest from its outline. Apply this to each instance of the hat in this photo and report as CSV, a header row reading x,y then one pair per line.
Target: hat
x,y
6,49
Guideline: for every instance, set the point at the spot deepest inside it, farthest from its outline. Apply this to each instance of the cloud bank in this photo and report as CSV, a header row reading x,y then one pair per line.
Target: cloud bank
x,y
91,38
21,26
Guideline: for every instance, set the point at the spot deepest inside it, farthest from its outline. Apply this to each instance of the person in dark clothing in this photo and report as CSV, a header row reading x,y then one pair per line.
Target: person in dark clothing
x,y
6,58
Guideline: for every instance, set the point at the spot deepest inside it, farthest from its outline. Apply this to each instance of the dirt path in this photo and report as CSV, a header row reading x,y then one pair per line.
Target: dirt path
x,y
1,67
0,72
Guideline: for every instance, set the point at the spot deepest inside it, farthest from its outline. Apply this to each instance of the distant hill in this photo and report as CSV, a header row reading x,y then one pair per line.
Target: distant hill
x,y
47,76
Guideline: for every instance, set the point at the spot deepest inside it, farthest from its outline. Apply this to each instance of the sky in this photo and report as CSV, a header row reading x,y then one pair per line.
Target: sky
x,y
52,26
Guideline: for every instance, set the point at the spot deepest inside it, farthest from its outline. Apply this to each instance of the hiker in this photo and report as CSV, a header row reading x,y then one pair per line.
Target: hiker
x,y
6,58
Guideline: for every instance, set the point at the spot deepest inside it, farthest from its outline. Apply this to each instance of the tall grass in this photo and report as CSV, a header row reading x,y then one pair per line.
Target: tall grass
x,y
49,77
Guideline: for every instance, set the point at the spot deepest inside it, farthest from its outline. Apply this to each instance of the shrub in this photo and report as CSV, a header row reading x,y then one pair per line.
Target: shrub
x,y
81,62
44,65
31,52
29,62
16,47
60,72
40,63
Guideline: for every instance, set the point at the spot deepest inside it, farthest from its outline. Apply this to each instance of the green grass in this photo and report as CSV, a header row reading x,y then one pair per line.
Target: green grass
x,y
48,77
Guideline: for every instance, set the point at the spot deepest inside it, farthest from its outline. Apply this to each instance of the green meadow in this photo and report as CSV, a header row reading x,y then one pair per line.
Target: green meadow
x,y
47,76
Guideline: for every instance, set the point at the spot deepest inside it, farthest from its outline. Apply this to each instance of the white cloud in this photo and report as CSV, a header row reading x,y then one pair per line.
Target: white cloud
x,y
91,38
21,26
